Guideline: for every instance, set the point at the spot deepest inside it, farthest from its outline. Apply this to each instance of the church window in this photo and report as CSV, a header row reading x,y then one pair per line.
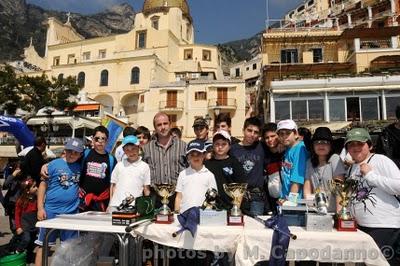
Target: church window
x,y
206,55
135,75
71,59
60,77
104,78
86,56
102,53
155,22
188,54
56,61
81,79
141,39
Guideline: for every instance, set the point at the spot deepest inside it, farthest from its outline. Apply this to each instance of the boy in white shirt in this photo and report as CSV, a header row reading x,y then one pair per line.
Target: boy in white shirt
x,y
131,176
194,181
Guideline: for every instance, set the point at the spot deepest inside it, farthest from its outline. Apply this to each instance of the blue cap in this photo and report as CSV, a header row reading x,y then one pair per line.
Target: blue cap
x,y
74,144
195,145
130,140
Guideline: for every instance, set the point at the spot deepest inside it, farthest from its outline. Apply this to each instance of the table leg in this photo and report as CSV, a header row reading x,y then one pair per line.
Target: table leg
x,y
122,250
139,250
45,246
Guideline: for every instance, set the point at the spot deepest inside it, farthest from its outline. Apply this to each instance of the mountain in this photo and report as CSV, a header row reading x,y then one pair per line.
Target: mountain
x,y
20,21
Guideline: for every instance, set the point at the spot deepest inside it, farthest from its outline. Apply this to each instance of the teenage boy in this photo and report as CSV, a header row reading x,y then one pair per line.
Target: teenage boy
x,y
97,166
59,193
273,159
250,154
294,164
376,209
131,176
223,121
119,152
201,129
194,181
225,168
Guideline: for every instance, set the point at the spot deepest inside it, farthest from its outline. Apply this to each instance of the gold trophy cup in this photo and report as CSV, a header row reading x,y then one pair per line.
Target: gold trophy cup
x,y
344,221
164,216
236,192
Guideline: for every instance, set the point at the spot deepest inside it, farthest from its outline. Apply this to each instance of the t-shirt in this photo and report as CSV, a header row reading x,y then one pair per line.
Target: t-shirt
x,y
193,185
293,168
320,177
273,162
225,171
252,160
96,173
376,190
119,153
129,179
62,194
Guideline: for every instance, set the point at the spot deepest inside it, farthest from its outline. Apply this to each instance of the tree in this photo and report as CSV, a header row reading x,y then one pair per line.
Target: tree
x,y
10,98
31,93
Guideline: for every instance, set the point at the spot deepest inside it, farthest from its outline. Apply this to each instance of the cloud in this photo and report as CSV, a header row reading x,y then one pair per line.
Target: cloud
x,y
78,6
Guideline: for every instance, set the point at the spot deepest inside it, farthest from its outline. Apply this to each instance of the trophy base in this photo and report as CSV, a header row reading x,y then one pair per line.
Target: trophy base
x,y
234,220
164,218
346,225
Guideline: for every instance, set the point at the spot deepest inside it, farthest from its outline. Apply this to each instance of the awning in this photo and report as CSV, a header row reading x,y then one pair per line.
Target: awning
x,y
87,107
333,126
72,121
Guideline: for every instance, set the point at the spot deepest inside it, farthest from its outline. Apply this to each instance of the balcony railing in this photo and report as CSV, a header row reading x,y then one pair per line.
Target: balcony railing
x,y
223,103
171,105
375,44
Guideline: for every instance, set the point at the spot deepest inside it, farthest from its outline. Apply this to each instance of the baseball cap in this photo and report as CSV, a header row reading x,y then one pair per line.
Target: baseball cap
x,y
322,133
130,140
195,145
357,134
286,124
222,133
200,121
74,144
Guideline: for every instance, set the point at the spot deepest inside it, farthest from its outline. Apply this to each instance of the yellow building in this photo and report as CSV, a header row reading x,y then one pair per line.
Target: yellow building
x,y
154,67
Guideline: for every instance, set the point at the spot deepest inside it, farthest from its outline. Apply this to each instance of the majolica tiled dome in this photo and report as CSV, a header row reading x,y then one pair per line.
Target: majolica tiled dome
x,y
152,6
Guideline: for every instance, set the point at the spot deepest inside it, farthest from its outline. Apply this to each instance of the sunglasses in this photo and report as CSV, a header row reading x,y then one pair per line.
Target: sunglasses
x,y
98,139
322,142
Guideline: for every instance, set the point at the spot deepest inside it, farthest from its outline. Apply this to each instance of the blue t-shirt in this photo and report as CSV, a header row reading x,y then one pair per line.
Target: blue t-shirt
x,y
294,168
62,195
252,160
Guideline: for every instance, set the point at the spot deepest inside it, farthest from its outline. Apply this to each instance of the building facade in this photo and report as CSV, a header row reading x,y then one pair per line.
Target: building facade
x,y
154,67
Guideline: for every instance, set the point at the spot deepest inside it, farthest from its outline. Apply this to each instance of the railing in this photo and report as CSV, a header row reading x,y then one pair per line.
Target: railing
x,y
51,140
375,44
227,103
171,105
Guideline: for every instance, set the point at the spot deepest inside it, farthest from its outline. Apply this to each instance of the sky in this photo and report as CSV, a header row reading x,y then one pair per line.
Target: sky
x,y
215,21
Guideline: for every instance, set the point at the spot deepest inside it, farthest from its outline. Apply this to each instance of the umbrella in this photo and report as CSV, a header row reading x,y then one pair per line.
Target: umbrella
x,y
280,240
189,220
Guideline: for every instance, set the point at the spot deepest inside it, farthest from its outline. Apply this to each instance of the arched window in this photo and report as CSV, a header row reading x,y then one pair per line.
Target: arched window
x,y
81,79
104,78
60,77
135,75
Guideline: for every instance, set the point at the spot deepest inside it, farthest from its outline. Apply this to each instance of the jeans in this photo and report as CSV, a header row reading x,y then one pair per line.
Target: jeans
x,y
257,207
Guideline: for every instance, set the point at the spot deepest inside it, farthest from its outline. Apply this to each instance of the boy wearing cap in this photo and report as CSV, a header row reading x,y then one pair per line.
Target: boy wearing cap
x,y
131,176
294,164
375,207
225,168
200,128
194,181
59,193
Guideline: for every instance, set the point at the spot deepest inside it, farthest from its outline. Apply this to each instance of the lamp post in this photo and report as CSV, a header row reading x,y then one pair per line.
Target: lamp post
x,y
50,126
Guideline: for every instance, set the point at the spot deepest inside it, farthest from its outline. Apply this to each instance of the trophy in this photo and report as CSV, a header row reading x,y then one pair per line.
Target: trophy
x,y
210,201
321,202
344,189
164,215
236,192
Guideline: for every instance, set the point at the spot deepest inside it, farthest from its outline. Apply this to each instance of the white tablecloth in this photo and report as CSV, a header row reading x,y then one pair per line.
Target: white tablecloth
x,y
317,246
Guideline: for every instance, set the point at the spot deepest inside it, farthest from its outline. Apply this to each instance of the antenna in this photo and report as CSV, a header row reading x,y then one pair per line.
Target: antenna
x,y
267,13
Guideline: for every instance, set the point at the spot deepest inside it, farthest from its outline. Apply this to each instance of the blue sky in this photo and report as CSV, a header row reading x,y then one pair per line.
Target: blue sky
x,y
215,21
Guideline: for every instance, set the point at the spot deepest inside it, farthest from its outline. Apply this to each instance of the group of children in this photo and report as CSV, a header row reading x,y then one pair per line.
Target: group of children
x,y
272,160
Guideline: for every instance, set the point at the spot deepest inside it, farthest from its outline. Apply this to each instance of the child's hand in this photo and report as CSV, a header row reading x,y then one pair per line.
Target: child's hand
x,y
16,172
19,231
44,172
41,214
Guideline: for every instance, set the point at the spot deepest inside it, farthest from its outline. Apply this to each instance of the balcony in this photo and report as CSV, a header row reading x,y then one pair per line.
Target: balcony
x,y
171,106
222,104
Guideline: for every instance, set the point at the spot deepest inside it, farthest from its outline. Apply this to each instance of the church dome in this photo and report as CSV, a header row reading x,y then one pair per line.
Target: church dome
x,y
152,6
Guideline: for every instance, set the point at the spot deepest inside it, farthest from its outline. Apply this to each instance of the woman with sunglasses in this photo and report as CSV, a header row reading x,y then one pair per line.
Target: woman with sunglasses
x,y
322,167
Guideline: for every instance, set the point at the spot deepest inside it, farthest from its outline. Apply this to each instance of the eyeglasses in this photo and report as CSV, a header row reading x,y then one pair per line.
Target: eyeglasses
x,y
98,139
322,142
199,127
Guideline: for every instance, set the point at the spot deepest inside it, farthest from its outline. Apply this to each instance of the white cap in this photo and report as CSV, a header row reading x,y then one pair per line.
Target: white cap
x,y
286,124
225,134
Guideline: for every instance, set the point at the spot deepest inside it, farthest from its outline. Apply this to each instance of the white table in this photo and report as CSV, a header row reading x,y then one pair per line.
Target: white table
x,y
332,246
252,242
101,226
